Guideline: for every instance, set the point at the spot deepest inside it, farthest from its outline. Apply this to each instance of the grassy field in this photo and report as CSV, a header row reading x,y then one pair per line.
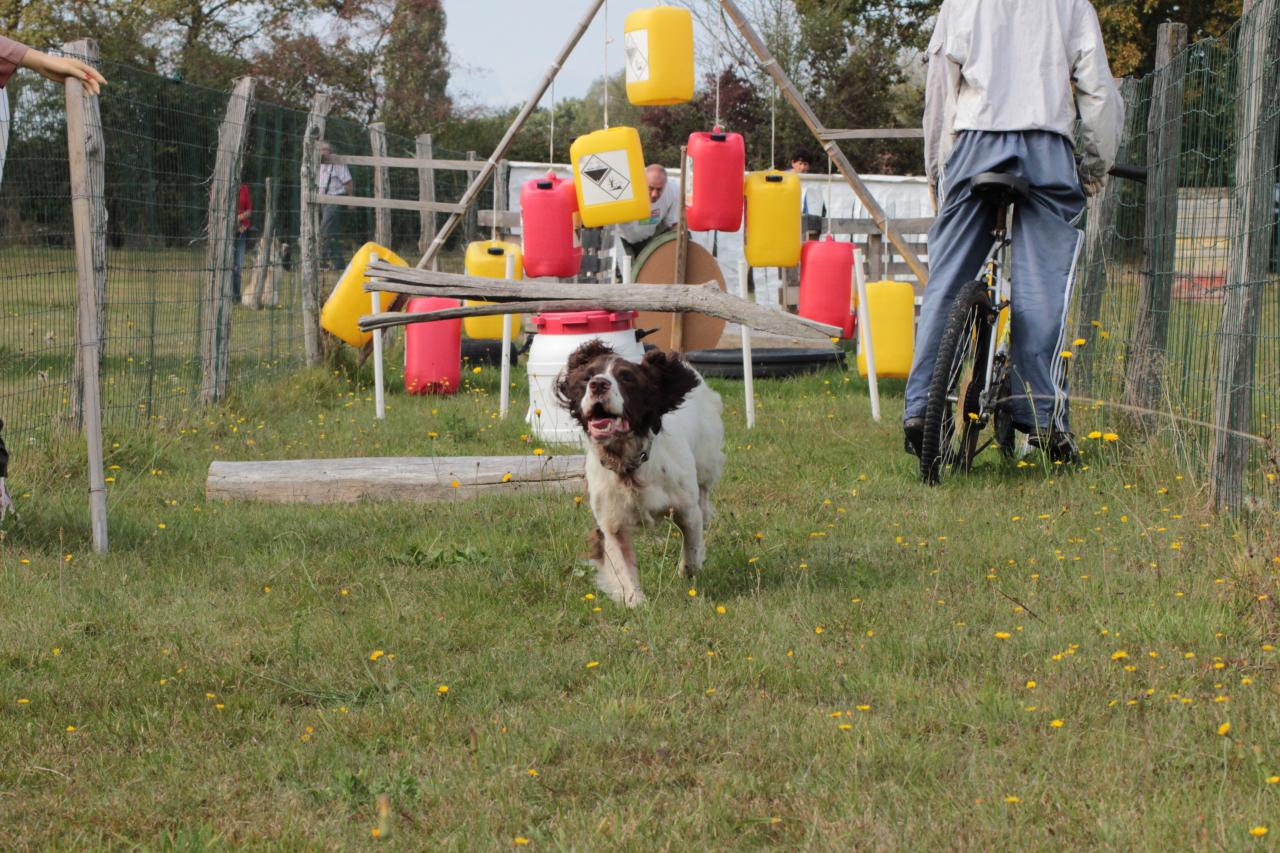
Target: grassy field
x,y
1028,659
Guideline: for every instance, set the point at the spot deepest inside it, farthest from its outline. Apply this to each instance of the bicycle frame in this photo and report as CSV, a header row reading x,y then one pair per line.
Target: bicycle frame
x,y
997,273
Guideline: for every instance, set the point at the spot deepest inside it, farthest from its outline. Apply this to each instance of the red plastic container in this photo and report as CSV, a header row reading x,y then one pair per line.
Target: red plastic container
x,y
549,220
717,161
826,283
584,322
432,351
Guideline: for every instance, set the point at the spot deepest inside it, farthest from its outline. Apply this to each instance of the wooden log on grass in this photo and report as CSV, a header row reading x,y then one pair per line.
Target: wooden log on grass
x,y
531,296
392,478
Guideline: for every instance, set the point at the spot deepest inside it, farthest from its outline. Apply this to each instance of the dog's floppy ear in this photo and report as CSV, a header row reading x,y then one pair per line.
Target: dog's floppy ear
x,y
671,377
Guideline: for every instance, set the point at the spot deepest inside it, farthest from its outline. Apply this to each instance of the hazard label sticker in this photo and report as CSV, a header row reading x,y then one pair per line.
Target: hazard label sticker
x,y
605,178
636,44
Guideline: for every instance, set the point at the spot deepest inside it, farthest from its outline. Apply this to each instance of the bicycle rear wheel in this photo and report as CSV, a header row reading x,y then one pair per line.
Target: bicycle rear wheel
x,y
952,415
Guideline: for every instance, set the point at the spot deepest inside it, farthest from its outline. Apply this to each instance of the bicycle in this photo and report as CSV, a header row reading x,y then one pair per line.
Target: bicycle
x,y
971,379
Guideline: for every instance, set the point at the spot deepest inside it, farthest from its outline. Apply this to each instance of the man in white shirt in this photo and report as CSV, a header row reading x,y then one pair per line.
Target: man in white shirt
x,y
331,179
664,212
1007,81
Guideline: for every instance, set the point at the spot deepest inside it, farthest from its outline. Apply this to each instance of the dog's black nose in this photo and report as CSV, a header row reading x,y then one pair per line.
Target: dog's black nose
x,y
598,385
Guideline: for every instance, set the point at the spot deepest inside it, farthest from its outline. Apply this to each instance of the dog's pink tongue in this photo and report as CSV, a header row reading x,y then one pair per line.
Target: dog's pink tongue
x,y
608,426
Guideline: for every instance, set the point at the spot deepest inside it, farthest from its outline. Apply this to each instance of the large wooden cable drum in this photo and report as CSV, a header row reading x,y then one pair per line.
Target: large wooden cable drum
x,y
656,264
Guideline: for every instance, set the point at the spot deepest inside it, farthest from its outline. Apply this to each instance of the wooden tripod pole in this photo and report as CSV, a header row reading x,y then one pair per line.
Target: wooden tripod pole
x,y
819,131
477,183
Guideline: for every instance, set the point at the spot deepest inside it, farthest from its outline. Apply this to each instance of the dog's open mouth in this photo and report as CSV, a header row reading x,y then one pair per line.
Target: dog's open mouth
x,y
603,427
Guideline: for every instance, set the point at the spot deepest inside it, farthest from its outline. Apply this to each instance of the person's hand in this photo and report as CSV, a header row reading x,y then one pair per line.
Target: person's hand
x,y
1093,176
60,68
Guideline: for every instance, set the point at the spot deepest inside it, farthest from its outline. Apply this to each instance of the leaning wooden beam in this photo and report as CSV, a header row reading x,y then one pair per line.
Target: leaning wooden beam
x,y
477,184
881,133
532,296
408,478
833,151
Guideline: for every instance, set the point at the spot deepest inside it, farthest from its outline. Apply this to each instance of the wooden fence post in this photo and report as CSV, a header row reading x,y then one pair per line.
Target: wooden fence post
x,y
85,150
469,226
224,193
92,141
1098,241
426,192
259,290
1146,366
309,227
1257,101
381,185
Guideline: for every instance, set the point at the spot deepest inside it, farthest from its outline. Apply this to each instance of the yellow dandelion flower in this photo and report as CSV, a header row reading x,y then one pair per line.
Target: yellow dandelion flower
x,y
720,609
533,773
1258,831
506,478
1003,635
1066,353
538,451
693,593
442,689
818,629
24,701
1119,655
1224,729
376,653
375,833
592,664
1012,799
1273,780
1031,685
1110,436
1078,342
862,707
844,727
71,728
1057,724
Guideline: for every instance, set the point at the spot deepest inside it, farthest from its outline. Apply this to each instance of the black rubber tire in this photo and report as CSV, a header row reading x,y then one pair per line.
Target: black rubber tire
x,y
766,362
961,353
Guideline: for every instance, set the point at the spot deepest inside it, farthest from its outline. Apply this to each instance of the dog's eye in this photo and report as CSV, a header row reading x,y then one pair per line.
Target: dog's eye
x,y
626,375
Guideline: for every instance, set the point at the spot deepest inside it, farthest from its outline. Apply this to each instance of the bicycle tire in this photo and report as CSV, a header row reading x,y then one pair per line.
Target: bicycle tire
x,y
961,358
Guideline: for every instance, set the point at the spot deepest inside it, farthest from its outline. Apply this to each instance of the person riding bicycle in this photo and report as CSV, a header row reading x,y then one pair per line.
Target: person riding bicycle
x,y
1006,83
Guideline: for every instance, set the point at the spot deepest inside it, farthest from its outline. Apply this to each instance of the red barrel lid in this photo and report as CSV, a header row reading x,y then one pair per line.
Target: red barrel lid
x,y
584,322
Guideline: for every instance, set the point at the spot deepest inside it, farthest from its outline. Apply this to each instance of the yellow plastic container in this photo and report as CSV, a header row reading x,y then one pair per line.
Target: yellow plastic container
x,y
608,174
658,43
488,259
891,307
773,219
349,302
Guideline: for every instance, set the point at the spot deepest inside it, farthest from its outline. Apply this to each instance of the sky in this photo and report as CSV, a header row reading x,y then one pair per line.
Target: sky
x,y
502,48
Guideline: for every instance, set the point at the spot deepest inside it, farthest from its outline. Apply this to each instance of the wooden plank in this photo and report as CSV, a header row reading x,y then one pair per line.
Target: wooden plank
x,y
1145,369
224,194
384,203
507,219
85,154
409,478
381,185
309,231
426,192
419,162
881,133
1258,84
837,156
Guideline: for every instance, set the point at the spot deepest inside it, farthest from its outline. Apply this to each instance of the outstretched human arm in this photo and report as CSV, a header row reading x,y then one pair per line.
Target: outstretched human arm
x,y
1097,99
14,55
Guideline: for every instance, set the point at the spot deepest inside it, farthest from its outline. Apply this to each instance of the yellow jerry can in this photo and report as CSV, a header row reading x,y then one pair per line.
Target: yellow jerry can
x,y
773,219
891,310
658,43
349,302
488,259
608,173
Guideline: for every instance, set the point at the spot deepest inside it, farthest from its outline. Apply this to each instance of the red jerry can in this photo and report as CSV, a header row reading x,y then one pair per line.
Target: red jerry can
x,y
432,351
549,219
716,163
826,283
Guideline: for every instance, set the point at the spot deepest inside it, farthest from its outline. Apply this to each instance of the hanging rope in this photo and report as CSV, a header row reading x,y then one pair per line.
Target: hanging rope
x,y
606,64
773,127
719,67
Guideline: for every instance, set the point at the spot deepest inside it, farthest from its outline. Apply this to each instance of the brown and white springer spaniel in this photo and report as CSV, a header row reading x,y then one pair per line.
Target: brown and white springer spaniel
x,y
654,442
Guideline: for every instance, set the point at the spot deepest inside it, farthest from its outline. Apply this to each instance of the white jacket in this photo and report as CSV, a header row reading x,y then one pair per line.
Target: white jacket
x,y
1007,65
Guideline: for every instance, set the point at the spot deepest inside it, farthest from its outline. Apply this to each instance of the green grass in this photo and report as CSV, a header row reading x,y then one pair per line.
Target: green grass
x,y
838,681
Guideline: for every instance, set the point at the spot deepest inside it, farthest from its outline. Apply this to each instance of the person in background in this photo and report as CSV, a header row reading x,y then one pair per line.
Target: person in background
x,y
664,212
15,55
244,212
331,179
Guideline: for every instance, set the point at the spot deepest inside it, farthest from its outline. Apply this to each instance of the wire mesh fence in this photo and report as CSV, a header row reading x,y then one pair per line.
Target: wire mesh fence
x,y
161,142
1179,279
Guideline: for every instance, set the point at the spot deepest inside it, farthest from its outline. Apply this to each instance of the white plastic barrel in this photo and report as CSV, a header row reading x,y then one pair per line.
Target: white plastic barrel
x,y
558,335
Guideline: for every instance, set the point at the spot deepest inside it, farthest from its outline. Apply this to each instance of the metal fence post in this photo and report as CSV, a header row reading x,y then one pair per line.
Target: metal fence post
x,y
224,194
1145,370
1254,216
85,150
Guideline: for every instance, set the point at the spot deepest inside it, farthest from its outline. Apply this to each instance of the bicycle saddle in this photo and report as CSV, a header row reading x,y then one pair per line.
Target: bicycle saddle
x,y
999,188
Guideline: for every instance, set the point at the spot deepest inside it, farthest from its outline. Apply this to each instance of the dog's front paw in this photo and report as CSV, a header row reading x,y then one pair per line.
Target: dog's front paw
x,y
634,598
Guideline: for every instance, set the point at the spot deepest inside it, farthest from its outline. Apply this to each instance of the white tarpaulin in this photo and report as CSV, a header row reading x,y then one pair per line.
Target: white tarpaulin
x,y
900,197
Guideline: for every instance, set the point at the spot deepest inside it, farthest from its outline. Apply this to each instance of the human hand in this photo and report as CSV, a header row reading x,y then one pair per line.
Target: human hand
x,y
1093,176
60,68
